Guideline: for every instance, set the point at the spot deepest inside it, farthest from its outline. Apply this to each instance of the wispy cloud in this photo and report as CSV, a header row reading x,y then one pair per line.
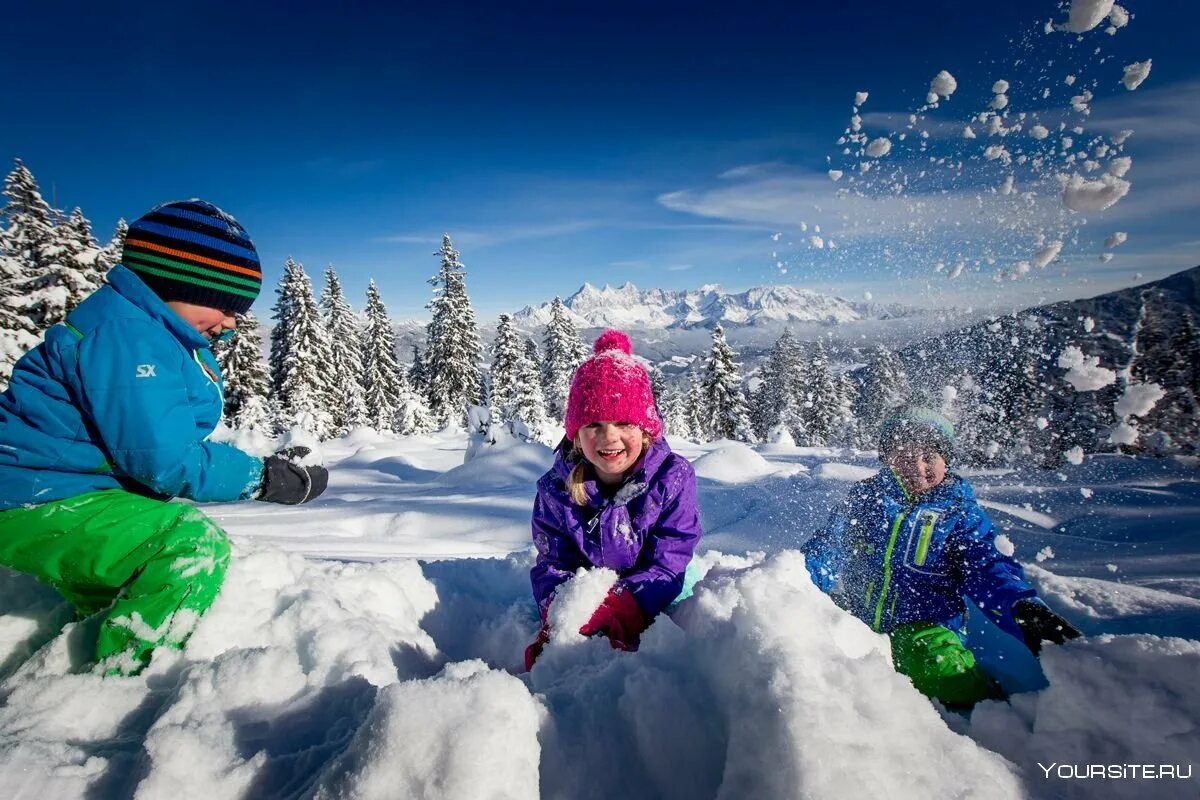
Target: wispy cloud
x,y
679,267
490,237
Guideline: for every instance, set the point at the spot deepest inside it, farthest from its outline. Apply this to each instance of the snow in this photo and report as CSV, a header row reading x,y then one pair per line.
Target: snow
x,y
968,133
1089,325
1135,73
879,147
835,174
1081,194
1039,131
1123,433
1005,545
1119,166
1084,372
999,102
1138,399
1047,254
1121,136
1000,87
1118,17
1086,14
860,98
1074,455
1116,239
942,85
369,645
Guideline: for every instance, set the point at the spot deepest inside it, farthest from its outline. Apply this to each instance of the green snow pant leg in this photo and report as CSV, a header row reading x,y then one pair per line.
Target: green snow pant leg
x,y
159,565
939,664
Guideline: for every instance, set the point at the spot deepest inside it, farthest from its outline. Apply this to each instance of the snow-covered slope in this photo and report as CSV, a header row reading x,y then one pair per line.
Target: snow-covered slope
x,y
368,645
626,306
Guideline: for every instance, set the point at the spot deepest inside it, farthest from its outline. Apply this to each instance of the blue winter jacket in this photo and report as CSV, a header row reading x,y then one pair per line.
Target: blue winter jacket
x,y
892,559
121,395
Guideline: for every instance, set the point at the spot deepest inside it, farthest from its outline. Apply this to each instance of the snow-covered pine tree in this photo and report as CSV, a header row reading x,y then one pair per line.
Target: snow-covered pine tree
x,y
31,243
453,348
693,409
245,378
563,351
110,254
507,351
418,377
80,257
529,404
380,369
778,401
824,405
345,365
673,408
725,412
882,387
300,355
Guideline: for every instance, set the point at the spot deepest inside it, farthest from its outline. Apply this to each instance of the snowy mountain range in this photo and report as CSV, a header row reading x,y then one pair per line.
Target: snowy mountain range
x,y
627,306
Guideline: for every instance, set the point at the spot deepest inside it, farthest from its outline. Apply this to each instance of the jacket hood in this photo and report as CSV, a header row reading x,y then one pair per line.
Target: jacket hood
x,y
132,288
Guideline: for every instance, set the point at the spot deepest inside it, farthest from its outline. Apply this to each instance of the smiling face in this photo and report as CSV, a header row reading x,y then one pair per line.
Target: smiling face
x,y
612,448
919,467
210,322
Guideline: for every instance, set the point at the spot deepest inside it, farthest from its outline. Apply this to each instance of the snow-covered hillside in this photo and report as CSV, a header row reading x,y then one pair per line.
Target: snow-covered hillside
x,y
368,646
626,306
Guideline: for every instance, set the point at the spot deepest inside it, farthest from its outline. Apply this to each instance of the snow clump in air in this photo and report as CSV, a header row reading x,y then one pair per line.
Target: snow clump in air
x,y
1083,371
1039,131
860,98
879,147
1138,399
1119,166
1116,239
1135,73
1074,455
835,174
1047,254
1086,14
943,84
1081,194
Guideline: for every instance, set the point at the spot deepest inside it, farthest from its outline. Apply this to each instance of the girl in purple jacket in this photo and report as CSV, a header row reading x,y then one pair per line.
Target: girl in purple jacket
x,y
616,497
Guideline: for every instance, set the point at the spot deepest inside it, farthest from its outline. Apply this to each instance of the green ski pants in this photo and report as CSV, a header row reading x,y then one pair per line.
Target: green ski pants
x,y
155,566
939,664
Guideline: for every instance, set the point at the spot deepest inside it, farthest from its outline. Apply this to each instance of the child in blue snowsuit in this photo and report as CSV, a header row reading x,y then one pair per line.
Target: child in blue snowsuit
x,y
905,546
108,419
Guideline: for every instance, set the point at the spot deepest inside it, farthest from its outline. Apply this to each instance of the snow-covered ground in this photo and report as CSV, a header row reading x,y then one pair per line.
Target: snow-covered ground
x,y
368,645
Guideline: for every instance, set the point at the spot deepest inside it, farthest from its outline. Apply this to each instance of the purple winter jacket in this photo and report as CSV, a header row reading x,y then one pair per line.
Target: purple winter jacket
x,y
647,532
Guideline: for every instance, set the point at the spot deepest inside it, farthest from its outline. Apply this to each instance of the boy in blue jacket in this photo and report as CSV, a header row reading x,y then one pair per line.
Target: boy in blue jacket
x,y
905,546
108,419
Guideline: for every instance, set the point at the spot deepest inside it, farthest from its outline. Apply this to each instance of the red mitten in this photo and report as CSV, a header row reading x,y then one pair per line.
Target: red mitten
x,y
619,618
535,648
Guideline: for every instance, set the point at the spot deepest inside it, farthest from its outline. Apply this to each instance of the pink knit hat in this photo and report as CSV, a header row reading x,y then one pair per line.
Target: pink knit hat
x,y
612,386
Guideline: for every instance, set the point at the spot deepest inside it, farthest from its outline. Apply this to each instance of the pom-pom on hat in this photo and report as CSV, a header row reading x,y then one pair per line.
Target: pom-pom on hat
x,y
193,251
612,386
919,426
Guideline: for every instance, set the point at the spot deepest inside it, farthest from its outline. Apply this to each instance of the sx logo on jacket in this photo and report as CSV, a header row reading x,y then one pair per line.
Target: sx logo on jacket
x,y
145,371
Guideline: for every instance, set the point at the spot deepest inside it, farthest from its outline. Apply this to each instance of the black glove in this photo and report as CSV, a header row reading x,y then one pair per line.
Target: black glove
x,y
285,481
1039,624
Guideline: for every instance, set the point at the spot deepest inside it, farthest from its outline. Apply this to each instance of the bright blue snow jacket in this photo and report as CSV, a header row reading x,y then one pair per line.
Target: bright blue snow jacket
x,y
121,395
892,559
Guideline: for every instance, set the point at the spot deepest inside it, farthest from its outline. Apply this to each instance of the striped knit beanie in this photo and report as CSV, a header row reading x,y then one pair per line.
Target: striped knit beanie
x,y
919,426
193,251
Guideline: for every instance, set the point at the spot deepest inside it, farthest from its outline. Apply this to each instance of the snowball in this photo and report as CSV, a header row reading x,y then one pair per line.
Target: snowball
x,y
868,296
1116,239
860,98
1000,101
1084,372
1074,455
1000,87
1118,17
1138,399
1089,324
1119,166
1121,136
1086,14
1039,132
1086,492
931,99
943,85
816,242
1047,254
1005,545
1069,80
1081,194
1123,433
1111,567
1135,73
1045,553
835,174
879,147
968,133
1079,103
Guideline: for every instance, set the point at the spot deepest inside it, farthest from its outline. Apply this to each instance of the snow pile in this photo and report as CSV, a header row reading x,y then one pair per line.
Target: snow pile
x,y
732,462
1084,372
1097,688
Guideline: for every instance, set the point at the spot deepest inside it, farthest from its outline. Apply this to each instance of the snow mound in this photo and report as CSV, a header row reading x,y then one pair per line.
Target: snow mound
x,y
732,462
507,461
833,471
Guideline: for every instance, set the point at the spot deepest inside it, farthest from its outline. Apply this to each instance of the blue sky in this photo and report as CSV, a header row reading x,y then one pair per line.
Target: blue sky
x,y
661,143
